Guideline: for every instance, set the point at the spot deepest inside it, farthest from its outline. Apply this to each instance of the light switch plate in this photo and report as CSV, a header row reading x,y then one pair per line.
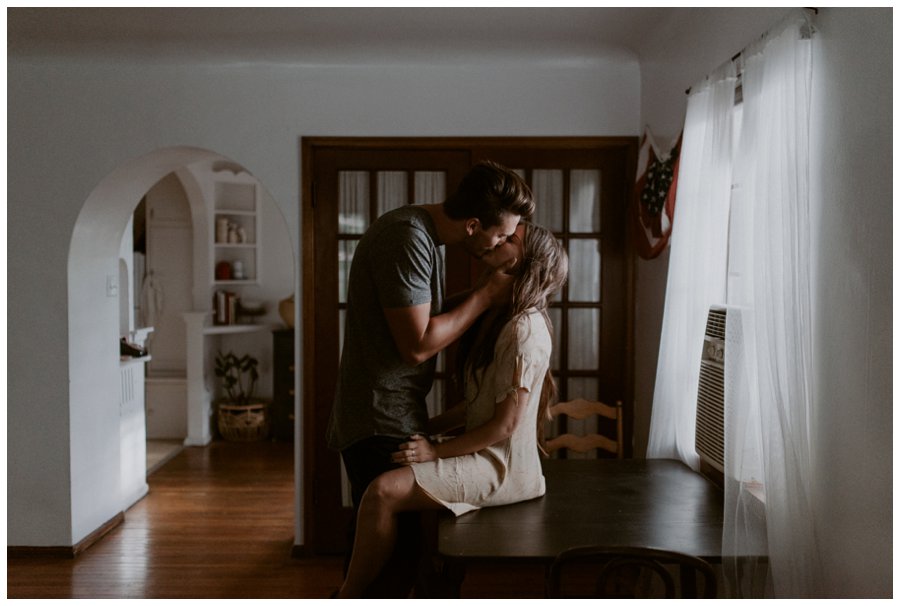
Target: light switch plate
x,y
112,286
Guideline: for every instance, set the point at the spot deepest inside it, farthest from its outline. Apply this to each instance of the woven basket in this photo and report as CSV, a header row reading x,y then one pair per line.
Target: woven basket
x,y
244,423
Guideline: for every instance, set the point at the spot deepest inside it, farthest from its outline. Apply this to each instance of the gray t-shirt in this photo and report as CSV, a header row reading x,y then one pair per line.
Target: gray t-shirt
x,y
397,263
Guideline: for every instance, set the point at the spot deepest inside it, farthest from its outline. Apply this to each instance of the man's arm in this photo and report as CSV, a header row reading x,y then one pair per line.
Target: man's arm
x,y
418,335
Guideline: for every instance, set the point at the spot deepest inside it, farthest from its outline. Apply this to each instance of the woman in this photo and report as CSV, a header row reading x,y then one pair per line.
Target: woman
x,y
508,388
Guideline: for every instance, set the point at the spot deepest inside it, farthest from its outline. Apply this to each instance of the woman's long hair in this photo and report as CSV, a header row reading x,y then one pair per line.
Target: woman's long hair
x,y
540,274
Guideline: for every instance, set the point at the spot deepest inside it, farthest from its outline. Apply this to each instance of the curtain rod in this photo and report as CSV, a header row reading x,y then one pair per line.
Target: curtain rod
x,y
738,54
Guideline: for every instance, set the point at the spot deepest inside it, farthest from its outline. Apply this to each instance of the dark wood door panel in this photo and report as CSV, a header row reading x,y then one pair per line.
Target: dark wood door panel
x,y
327,516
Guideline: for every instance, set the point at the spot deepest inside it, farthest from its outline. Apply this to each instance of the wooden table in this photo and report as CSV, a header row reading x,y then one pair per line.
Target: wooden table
x,y
613,502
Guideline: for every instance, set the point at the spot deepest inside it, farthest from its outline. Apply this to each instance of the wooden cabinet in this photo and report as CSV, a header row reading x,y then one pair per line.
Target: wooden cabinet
x,y
283,388
132,432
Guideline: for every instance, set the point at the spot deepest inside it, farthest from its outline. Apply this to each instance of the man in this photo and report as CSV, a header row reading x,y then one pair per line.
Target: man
x,y
395,324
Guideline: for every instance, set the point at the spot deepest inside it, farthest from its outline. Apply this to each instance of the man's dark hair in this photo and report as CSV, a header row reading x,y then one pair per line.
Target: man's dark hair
x,y
486,192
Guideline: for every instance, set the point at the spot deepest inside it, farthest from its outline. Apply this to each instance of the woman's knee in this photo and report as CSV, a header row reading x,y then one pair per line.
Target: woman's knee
x,y
384,491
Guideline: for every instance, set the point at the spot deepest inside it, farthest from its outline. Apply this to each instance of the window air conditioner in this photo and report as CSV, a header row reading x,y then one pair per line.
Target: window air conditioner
x,y
710,430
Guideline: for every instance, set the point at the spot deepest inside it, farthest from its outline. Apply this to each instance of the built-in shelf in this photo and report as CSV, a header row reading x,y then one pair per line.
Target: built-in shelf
x,y
128,361
232,329
235,228
197,332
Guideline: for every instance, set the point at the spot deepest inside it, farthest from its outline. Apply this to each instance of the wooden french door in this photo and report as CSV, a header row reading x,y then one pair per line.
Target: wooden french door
x,y
580,187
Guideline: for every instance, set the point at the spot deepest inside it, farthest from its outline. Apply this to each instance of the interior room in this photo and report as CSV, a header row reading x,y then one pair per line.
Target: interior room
x,y
131,131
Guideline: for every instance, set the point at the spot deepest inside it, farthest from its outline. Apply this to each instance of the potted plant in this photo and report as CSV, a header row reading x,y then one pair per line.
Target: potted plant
x,y
240,417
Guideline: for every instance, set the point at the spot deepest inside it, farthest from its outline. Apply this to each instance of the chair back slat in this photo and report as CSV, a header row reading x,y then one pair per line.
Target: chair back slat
x,y
580,409
582,443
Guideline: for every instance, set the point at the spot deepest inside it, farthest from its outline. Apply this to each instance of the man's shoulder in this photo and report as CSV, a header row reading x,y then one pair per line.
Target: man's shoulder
x,y
405,223
409,214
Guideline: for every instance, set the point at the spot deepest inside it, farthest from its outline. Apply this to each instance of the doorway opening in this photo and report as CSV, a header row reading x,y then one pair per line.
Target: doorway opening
x,y
105,305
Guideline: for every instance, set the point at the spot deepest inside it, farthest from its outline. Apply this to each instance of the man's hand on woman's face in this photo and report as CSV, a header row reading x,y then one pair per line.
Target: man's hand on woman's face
x,y
498,287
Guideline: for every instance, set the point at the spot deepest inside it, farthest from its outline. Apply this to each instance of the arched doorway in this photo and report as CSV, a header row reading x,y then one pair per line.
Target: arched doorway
x,y
95,390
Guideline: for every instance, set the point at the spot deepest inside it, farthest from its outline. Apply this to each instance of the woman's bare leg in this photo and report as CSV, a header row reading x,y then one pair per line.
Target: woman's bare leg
x,y
376,528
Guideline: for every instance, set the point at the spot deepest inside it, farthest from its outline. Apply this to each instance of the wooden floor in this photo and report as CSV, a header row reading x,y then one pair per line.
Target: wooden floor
x,y
218,523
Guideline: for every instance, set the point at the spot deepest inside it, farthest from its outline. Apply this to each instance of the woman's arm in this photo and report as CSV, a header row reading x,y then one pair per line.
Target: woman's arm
x,y
501,426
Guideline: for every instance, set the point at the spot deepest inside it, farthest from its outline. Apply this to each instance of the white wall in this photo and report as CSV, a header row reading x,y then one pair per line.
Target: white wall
x,y
126,281
852,284
852,218
73,123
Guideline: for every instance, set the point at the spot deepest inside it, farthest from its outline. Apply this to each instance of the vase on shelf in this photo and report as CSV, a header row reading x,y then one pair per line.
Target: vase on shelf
x,y
286,311
221,230
223,270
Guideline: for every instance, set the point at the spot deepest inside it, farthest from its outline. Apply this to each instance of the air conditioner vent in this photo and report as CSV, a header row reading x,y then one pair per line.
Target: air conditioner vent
x,y
710,434
715,323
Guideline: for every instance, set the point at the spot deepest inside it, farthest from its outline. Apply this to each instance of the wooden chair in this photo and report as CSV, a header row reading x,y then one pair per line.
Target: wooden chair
x,y
583,409
628,572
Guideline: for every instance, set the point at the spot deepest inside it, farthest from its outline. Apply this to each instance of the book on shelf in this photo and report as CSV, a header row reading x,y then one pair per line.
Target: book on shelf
x,y
225,308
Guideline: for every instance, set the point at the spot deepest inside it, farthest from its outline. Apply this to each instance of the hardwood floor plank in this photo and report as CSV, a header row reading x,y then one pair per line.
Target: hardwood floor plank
x,y
218,522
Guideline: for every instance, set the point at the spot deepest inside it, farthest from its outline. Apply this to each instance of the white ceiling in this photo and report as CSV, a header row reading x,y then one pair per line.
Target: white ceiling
x,y
337,34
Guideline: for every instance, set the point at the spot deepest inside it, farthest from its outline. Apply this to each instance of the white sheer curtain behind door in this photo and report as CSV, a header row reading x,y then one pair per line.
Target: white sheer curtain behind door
x,y
768,465
697,263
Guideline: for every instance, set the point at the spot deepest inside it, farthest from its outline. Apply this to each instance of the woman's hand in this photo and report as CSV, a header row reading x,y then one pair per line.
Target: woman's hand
x,y
417,450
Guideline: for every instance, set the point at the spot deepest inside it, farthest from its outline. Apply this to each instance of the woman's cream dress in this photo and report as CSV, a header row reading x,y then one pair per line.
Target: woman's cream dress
x,y
510,470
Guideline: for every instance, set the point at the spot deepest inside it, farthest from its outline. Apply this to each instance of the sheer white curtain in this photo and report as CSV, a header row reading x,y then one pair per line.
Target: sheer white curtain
x,y
697,263
768,337
391,190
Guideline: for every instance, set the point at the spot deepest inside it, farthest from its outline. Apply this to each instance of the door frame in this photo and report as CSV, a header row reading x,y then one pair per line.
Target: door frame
x,y
309,146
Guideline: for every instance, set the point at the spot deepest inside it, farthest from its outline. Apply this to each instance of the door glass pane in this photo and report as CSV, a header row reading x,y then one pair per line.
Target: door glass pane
x,y
391,190
431,187
435,398
547,187
584,201
584,339
583,387
342,320
557,297
353,201
584,270
439,363
346,248
555,314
